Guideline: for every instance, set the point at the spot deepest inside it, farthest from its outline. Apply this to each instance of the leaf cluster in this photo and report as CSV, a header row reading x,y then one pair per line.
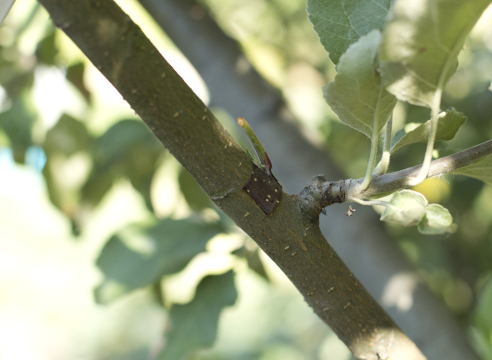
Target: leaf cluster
x,y
384,53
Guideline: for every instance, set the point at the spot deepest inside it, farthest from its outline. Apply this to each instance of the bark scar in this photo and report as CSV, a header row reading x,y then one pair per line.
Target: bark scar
x,y
264,189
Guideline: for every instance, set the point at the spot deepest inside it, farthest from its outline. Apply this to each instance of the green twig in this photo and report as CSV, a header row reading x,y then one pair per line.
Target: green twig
x,y
260,150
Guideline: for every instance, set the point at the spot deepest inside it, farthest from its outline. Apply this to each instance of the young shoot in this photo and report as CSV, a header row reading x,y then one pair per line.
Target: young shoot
x,y
265,162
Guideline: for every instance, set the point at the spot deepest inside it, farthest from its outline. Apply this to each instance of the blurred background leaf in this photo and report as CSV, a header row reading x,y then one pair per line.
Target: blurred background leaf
x,y
75,74
481,170
448,125
194,325
195,196
140,255
47,50
17,123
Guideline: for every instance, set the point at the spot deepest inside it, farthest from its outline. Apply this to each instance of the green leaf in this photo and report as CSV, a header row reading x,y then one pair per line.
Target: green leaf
x,y
481,170
68,137
253,260
17,85
97,185
17,123
141,254
139,166
120,139
341,23
448,125
410,208
421,44
406,207
127,149
47,49
194,325
356,95
195,196
483,311
437,220
75,74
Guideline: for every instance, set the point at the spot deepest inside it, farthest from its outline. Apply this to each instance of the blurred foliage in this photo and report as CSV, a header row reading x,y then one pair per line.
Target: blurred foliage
x,y
140,255
170,233
195,323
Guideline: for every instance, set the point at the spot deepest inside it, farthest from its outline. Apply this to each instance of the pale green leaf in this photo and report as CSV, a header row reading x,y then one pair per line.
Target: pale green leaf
x,y
194,325
341,23
448,125
421,44
409,208
481,170
437,220
406,207
141,254
356,95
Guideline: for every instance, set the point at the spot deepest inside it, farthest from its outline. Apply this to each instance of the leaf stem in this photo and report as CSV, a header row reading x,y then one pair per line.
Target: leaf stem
x,y
435,106
374,143
259,149
436,101
370,202
385,158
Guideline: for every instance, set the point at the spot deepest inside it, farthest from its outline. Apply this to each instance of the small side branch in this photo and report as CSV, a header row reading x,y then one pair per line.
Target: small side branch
x,y
403,179
351,190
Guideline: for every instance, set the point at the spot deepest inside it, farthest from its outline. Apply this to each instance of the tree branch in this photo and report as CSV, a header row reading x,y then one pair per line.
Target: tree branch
x,y
401,179
118,48
365,247
350,190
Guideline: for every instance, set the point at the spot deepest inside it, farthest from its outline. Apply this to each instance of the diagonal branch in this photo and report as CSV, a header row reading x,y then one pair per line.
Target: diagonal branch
x,y
290,236
365,247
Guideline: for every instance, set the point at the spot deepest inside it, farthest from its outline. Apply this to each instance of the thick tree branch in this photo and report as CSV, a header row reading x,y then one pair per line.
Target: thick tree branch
x,y
118,48
361,242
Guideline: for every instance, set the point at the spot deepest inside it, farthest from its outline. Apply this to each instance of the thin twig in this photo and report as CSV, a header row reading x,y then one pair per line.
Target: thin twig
x,y
402,179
